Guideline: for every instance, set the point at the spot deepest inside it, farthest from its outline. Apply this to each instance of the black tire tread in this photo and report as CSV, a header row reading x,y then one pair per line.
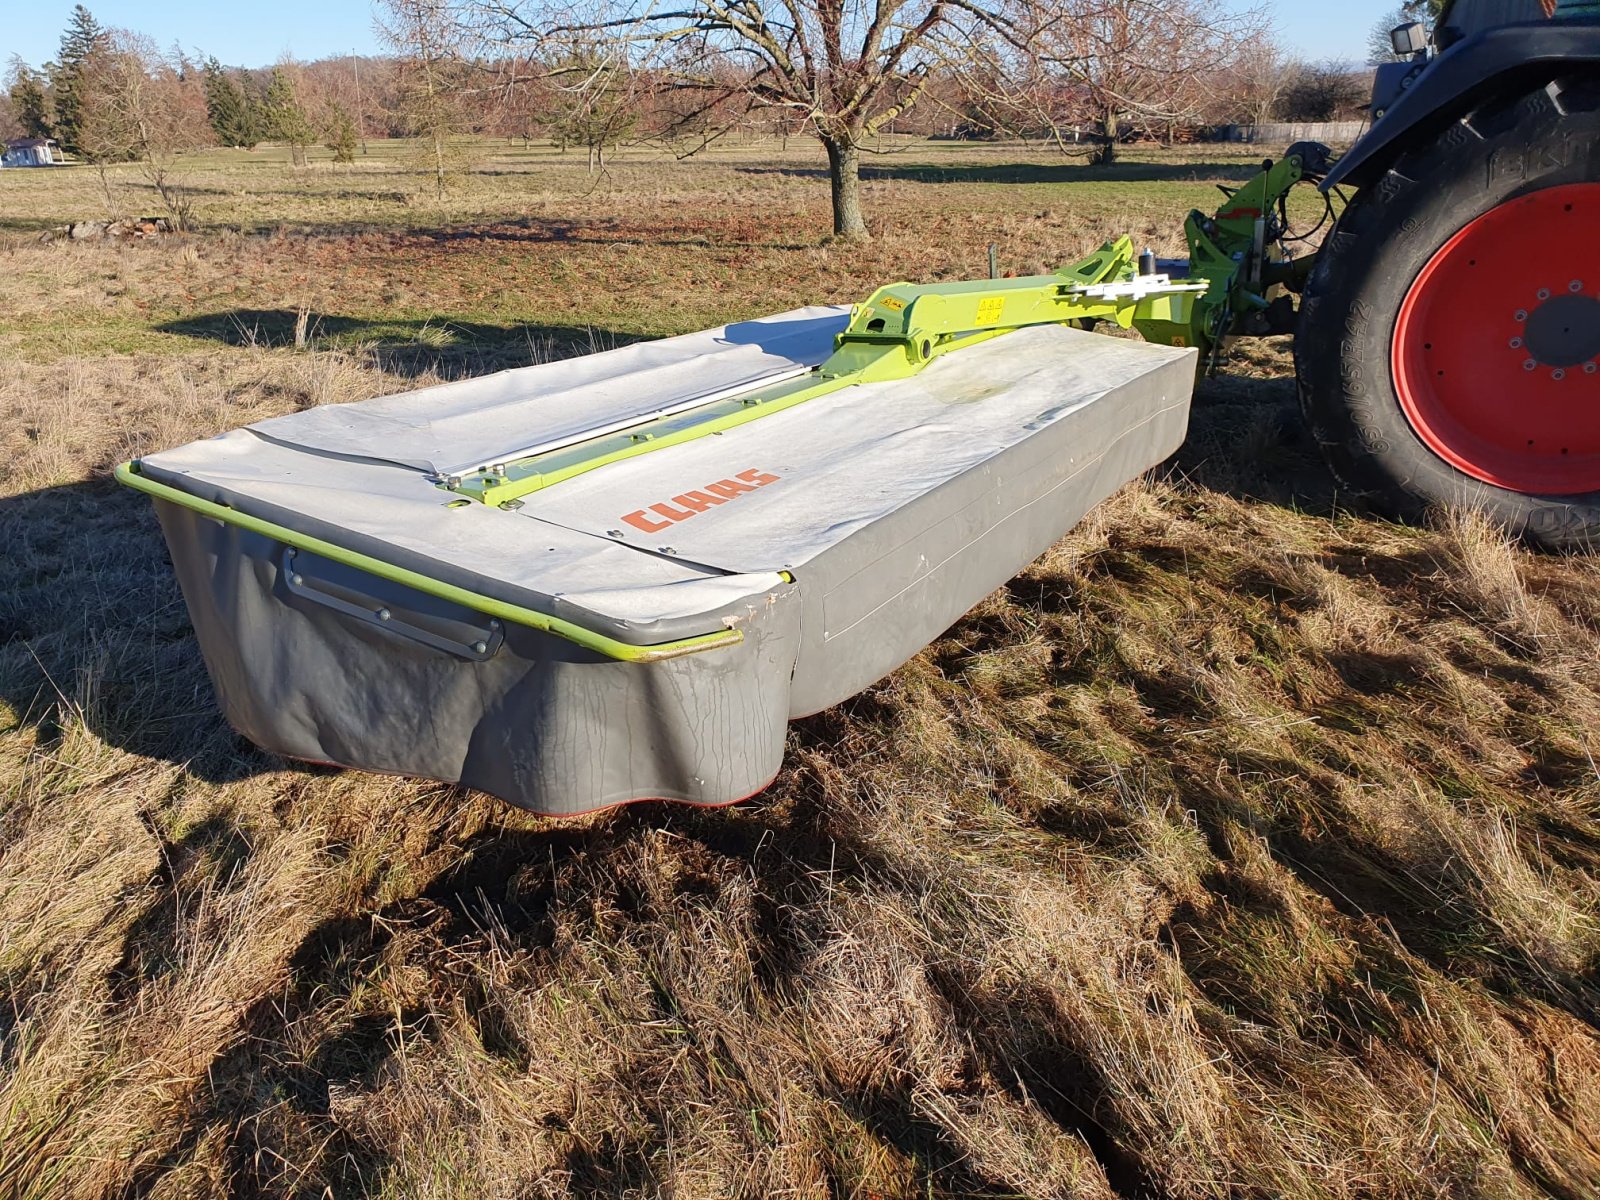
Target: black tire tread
x,y
1350,409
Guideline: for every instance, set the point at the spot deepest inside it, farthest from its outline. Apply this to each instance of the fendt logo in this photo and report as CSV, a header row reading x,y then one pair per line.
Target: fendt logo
x,y
691,504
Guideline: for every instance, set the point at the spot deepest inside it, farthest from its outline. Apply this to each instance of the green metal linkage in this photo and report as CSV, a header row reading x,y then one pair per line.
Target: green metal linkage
x,y
129,473
1237,251
895,334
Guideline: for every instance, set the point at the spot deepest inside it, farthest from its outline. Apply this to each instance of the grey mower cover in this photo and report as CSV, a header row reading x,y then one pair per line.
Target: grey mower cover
x,y
848,532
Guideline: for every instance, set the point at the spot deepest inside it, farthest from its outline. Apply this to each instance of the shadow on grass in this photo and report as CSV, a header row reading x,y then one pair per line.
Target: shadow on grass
x,y
1064,172
93,629
534,887
404,346
1247,440
27,229
384,195
611,232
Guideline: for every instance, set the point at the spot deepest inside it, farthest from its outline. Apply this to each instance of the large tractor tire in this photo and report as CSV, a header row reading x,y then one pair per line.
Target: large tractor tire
x,y
1448,351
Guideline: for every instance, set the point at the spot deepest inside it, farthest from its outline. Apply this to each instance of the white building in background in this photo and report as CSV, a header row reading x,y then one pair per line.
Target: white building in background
x,y
30,152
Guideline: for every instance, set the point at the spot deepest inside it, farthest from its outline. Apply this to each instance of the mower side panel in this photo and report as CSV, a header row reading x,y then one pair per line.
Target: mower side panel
x,y
1512,57
537,720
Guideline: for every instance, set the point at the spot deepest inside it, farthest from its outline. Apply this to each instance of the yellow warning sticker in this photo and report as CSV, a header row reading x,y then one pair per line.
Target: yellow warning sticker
x,y
891,302
989,310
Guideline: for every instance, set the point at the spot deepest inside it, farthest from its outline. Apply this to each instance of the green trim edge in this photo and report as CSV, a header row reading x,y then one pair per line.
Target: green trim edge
x,y
129,473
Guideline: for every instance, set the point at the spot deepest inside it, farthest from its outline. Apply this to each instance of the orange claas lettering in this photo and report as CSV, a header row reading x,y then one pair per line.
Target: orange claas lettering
x,y
680,508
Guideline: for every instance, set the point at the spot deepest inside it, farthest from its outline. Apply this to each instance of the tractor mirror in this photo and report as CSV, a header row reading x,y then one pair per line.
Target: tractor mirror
x,y
1409,39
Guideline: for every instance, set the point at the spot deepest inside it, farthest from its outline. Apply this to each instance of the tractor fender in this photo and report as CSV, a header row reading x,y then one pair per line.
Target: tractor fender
x,y
1520,57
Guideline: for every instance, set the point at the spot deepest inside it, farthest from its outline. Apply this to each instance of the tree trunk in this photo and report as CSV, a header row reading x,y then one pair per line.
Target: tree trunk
x,y
1113,130
844,176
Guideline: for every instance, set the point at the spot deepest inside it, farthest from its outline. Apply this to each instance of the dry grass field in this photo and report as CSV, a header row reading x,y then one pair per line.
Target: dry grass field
x,y
1243,846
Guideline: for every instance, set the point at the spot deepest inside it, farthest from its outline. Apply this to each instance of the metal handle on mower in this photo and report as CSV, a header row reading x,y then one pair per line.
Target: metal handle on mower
x,y
128,473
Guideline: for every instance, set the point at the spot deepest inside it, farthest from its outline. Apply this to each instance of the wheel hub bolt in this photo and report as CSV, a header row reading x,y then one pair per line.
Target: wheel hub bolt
x,y
1516,343
1521,316
1575,286
1589,368
1530,365
1558,374
1544,293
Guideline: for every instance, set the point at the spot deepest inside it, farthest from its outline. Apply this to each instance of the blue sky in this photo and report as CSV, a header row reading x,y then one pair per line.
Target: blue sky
x,y
257,34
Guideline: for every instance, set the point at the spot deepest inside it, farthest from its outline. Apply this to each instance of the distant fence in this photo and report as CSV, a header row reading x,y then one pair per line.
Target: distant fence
x,y
1285,133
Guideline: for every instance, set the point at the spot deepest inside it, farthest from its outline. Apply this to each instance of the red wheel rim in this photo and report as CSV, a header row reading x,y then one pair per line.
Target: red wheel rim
x,y
1496,354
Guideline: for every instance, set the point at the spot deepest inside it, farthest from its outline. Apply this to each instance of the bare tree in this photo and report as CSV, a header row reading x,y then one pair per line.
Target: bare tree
x,y
1380,49
429,38
598,109
1249,91
136,107
845,68
521,100
1141,64
1329,91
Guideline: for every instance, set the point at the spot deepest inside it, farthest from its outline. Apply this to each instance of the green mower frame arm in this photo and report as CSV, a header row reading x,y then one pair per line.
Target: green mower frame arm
x,y
1239,252
900,330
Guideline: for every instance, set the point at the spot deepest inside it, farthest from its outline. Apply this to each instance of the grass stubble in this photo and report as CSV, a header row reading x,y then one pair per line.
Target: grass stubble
x,y
1242,846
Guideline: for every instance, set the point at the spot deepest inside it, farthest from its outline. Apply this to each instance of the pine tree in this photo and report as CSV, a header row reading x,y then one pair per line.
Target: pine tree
x,y
29,104
228,108
82,44
598,116
429,79
342,138
285,120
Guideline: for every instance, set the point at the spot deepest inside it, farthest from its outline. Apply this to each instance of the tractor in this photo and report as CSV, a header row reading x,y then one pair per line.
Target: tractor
x,y
1447,332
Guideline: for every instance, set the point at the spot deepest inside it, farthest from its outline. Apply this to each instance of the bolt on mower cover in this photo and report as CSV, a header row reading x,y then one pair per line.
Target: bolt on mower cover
x,y
645,623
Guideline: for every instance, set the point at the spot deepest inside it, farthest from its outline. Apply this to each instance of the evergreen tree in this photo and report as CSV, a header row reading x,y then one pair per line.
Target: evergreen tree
x,y
598,116
29,103
285,120
228,108
83,43
342,138
429,75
